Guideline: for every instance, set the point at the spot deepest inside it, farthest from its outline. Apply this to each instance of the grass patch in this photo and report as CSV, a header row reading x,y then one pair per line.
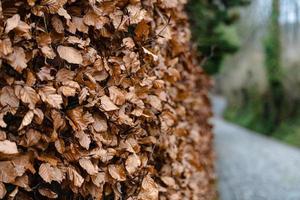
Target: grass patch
x,y
250,116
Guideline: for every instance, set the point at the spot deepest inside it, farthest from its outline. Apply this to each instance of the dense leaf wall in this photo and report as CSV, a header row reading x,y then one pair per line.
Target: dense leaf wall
x,y
102,100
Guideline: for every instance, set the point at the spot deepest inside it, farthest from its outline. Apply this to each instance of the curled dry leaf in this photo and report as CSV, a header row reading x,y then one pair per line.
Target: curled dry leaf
x,y
80,119
84,139
8,173
50,173
27,119
75,177
2,190
117,172
169,181
8,97
116,95
107,104
48,94
17,59
8,147
149,189
46,192
132,163
70,54
32,137
27,95
5,47
89,167
100,123
12,23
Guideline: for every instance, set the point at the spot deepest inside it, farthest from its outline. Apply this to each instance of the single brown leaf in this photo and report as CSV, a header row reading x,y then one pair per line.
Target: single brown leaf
x,y
89,167
70,54
8,147
50,173
117,172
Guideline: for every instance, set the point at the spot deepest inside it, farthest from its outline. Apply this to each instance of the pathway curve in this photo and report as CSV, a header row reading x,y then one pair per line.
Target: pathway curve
x,y
251,166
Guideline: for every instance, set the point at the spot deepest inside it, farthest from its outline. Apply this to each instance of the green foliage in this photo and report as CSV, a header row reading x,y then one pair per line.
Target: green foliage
x,y
212,26
273,68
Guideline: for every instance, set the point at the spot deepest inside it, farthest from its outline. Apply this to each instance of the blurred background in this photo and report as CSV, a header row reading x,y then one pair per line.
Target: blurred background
x,y
252,47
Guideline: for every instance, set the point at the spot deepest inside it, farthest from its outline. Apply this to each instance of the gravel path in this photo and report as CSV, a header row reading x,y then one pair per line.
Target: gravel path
x,y
253,167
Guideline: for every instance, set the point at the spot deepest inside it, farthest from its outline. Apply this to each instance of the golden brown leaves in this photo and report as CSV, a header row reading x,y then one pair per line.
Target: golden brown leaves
x,y
103,98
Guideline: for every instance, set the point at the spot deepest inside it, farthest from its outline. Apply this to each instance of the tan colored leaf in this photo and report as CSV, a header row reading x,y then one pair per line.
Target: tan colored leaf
x,y
27,119
155,57
12,23
2,190
8,173
155,102
79,24
8,147
57,24
67,91
100,123
117,172
45,74
128,42
58,120
116,95
132,163
32,137
49,173
60,146
17,59
75,177
99,179
48,94
62,12
107,104
64,75
70,54
5,47
22,181
149,189
8,97
169,181
92,19
39,115
89,167
27,95
136,13
46,192
2,136
80,119
84,139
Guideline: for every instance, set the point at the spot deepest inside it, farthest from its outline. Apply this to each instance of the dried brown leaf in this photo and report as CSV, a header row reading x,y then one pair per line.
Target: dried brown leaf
x,y
46,192
27,119
117,172
2,190
70,54
8,147
89,167
107,104
50,173
75,177
132,163
8,97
